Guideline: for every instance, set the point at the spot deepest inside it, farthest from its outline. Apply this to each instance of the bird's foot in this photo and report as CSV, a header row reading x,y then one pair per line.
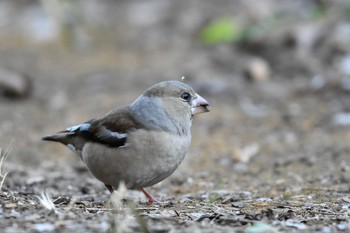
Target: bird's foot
x,y
149,196
154,201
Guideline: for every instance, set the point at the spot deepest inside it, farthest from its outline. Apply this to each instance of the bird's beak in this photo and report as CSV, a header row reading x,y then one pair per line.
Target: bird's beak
x,y
199,105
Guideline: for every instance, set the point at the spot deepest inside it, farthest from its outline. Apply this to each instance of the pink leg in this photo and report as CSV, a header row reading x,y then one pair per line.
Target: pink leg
x,y
150,198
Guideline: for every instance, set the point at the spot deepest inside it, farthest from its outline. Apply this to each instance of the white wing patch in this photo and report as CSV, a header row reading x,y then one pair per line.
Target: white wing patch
x,y
81,127
118,135
102,135
106,134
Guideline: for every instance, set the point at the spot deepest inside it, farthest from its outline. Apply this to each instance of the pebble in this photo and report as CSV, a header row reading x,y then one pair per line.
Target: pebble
x,y
345,83
10,205
305,36
342,227
44,227
15,214
342,118
257,69
260,227
341,36
317,82
14,85
35,180
61,200
252,110
346,199
195,215
326,230
264,199
345,64
297,225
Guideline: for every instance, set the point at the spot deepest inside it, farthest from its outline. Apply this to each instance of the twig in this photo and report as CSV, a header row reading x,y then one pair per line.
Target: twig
x,y
3,157
46,201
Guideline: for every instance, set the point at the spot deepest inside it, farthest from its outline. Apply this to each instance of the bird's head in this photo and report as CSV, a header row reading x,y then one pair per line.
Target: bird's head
x,y
178,97
171,102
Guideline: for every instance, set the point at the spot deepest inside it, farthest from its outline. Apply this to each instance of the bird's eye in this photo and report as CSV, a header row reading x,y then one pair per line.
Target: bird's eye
x,y
186,96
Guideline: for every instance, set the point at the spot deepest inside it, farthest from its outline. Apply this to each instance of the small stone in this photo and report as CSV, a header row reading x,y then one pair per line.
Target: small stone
x,y
294,224
238,204
61,201
35,180
10,205
253,110
14,85
264,199
342,227
44,227
168,213
345,64
326,230
342,118
260,227
341,36
15,214
305,36
346,199
195,216
257,69
345,83
32,217
317,82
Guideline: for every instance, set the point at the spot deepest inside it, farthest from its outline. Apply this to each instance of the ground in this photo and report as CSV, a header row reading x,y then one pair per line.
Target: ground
x,y
272,155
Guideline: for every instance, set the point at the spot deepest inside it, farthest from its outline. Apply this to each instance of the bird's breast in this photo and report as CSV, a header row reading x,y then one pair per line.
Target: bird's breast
x,y
162,149
147,158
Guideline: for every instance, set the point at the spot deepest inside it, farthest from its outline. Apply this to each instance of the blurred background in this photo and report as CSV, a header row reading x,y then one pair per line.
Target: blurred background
x,y
277,74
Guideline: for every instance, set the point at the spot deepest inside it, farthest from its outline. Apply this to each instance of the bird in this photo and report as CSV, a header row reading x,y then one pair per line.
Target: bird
x,y
139,144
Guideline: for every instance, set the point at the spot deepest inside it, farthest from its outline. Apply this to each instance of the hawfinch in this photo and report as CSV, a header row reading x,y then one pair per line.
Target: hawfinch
x,y
140,144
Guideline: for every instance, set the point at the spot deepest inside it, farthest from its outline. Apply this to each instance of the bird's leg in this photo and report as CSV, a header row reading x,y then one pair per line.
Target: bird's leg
x,y
110,188
150,198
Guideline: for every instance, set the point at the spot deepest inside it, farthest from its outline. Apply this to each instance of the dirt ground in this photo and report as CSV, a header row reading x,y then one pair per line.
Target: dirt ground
x,y
272,155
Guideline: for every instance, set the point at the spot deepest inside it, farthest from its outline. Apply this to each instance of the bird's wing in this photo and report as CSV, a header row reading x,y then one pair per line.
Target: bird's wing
x,y
110,130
